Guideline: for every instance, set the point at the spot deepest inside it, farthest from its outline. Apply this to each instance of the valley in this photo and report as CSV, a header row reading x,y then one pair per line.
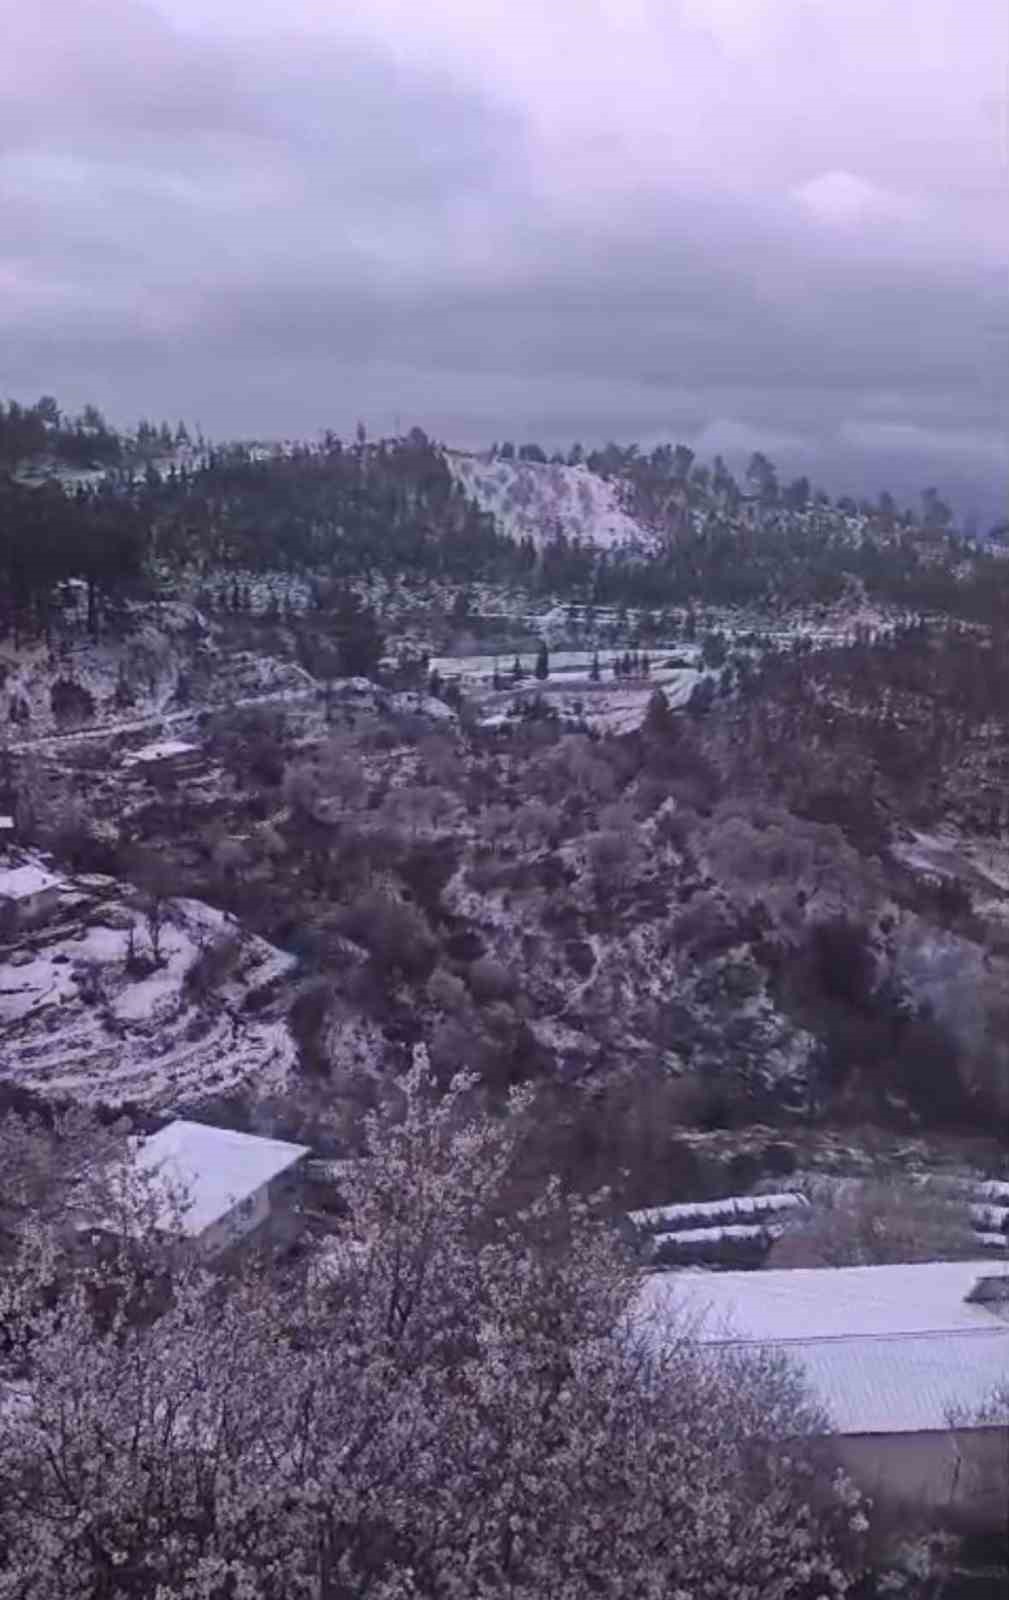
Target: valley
x,y
673,866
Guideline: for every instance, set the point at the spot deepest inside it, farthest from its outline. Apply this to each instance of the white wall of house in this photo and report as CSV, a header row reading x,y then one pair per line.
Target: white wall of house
x,y
28,910
243,1219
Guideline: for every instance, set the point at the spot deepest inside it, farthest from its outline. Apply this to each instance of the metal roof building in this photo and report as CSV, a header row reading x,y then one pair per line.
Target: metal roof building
x,y
884,1349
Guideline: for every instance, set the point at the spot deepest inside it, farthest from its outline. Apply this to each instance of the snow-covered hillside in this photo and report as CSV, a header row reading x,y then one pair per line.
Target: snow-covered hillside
x,y
534,499
166,664
87,1013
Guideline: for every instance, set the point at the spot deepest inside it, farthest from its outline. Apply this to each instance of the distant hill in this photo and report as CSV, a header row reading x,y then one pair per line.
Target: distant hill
x,y
537,500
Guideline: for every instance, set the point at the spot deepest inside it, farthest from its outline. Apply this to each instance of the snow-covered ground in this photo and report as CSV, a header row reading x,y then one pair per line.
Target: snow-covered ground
x,y
166,668
532,500
981,865
567,667
615,704
74,1021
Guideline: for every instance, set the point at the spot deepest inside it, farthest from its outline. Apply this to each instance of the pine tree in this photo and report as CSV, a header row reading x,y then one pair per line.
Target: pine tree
x,y
594,672
542,663
659,721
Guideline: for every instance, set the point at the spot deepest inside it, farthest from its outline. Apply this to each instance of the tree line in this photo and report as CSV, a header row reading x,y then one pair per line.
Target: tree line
x,y
359,507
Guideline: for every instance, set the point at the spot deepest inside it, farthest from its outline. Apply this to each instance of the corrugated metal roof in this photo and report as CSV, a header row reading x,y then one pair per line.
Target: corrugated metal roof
x,y
902,1383
826,1302
883,1349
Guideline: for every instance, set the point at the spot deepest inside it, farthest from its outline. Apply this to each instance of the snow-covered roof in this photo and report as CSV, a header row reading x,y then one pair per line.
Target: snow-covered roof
x,y
829,1302
216,1167
668,1218
902,1383
163,751
887,1349
6,824
993,1218
687,1236
20,883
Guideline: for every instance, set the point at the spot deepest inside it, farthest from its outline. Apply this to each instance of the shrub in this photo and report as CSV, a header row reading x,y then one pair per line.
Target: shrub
x,y
394,933
71,701
307,1019
488,980
613,858
213,965
875,1222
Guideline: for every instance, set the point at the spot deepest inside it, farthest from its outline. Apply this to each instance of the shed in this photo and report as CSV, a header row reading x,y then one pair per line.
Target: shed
x,y
166,757
892,1354
28,896
237,1185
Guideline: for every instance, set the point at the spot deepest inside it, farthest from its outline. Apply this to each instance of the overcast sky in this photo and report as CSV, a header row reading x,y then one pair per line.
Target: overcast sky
x,y
770,224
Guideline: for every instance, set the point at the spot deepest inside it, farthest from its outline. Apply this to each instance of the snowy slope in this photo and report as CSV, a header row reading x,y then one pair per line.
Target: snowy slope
x,y
125,680
76,1022
533,498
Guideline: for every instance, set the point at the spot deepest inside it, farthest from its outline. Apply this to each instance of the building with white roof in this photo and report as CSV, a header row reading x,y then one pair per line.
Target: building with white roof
x,y
235,1185
891,1353
165,756
28,895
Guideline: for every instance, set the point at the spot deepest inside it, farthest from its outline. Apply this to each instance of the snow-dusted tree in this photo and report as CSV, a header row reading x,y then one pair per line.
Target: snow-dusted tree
x,y
877,1221
47,1164
454,1402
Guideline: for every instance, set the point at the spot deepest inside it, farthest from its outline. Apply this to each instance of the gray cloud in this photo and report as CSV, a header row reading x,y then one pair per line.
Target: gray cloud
x,y
272,228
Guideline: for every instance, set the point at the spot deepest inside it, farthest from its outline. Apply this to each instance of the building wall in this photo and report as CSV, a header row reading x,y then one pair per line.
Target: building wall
x,y
246,1218
272,1214
963,1472
29,910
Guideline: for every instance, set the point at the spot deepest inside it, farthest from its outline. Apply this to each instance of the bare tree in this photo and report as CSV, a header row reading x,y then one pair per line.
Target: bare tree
x,y
157,913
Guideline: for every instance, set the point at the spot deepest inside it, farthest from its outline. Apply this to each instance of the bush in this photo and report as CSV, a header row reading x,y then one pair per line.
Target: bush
x,y
394,933
840,963
490,980
613,858
875,1222
71,701
213,965
306,1019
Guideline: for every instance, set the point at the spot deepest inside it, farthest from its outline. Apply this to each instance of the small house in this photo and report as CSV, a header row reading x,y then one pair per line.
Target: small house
x,y
28,896
236,1188
167,758
901,1359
